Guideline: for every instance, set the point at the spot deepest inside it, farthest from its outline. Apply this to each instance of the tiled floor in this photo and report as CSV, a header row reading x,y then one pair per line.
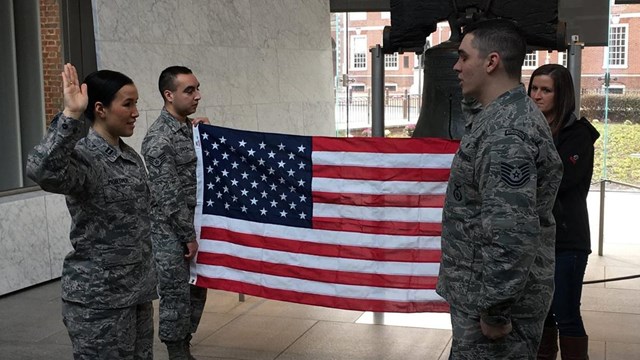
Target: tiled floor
x,y
31,326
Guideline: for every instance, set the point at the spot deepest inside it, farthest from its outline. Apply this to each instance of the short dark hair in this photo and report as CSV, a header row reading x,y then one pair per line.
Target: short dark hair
x,y
501,36
564,99
168,77
102,86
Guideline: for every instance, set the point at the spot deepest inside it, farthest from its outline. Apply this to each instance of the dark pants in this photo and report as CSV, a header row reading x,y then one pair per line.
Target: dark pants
x,y
181,304
565,308
110,334
468,342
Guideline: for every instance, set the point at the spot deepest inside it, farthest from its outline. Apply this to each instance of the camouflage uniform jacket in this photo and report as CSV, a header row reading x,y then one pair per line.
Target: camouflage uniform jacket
x,y
107,193
171,160
498,230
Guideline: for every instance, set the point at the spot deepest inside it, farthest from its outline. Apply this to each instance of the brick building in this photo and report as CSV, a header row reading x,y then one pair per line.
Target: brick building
x,y
51,37
362,31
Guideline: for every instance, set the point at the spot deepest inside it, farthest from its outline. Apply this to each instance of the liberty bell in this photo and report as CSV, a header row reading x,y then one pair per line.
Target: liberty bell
x,y
441,114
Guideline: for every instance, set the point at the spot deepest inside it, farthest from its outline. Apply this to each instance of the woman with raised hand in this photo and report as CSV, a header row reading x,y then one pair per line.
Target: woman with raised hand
x,y
108,279
551,87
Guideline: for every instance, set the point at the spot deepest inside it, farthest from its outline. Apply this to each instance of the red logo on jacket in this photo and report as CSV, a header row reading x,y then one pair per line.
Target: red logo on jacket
x,y
574,159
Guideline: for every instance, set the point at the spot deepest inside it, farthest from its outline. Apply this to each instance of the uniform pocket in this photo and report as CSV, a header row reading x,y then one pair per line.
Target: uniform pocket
x,y
120,192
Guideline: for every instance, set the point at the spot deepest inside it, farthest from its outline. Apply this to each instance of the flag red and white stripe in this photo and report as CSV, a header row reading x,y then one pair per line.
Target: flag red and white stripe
x,y
374,239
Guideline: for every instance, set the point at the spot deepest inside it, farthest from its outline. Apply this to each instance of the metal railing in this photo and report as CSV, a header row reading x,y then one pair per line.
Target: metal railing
x,y
354,112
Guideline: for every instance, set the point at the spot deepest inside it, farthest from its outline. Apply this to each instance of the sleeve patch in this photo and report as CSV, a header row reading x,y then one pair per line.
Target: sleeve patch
x,y
516,132
515,176
158,161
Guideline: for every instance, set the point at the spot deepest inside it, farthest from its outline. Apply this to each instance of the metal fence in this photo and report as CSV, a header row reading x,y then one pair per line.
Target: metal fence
x,y
354,112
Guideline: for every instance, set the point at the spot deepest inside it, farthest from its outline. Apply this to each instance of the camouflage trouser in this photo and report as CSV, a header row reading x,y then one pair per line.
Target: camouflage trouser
x,y
124,334
470,344
181,304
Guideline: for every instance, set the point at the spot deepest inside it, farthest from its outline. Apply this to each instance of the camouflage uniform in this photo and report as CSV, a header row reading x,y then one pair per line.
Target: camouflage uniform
x,y
171,161
498,230
108,279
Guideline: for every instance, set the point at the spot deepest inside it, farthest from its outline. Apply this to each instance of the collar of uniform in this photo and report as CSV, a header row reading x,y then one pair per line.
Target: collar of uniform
x,y
112,152
174,124
515,94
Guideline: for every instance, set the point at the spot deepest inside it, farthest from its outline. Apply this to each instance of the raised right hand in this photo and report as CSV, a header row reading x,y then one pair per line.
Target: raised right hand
x,y
75,94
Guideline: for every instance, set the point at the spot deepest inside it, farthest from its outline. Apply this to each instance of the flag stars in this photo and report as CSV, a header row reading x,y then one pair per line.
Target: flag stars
x,y
262,145
244,192
222,140
215,162
243,159
283,213
242,143
261,162
234,198
292,189
206,153
283,196
281,164
274,203
263,177
301,182
205,136
263,194
251,152
271,154
281,147
217,179
244,209
210,186
292,205
282,180
291,172
303,216
234,165
254,201
271,171
301,165
227,206
232,149
303,198
254,168
209,202
263,212
215,146
225,156
219,194
225,173
301,148
225,189
234,182
245,175
292,156
273,187
209,169
254,184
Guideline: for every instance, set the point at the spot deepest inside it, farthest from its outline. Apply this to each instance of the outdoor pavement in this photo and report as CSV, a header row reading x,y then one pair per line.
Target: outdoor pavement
x,y
31,325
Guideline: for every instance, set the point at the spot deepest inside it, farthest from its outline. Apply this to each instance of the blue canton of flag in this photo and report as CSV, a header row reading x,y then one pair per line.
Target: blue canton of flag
x,y
257,177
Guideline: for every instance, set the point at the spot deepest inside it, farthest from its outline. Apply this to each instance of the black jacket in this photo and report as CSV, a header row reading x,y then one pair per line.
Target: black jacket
x,y
575,146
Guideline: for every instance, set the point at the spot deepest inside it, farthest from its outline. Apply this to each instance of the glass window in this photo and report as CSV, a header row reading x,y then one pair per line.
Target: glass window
x,y
617,45
562,58
391,61
359,52
531,60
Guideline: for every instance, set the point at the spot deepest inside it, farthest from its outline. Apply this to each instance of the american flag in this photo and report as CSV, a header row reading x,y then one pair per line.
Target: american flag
x,y
350,223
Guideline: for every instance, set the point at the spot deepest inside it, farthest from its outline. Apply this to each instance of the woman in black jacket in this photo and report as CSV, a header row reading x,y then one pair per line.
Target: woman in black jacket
x,y
551,87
